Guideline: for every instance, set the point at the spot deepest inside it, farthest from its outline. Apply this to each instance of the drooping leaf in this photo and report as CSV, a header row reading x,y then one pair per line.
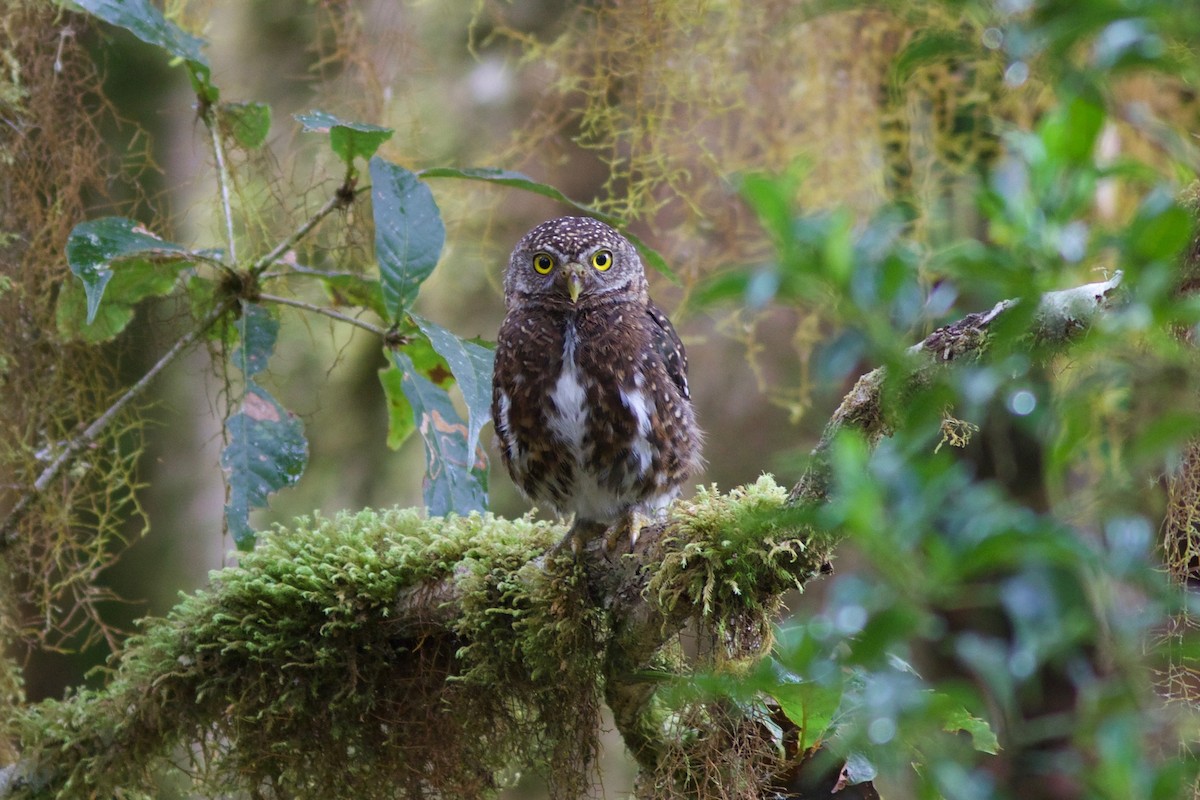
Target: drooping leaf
x,y
146,22
455,474
267,451
257,329
518,180
93,246
348,140
472,367
400,412
408,233
131,282
247,123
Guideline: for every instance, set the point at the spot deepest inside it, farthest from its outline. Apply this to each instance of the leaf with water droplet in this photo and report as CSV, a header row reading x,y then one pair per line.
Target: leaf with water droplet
x,y
94,246
348,140
455,473
146,22
408,233
267,451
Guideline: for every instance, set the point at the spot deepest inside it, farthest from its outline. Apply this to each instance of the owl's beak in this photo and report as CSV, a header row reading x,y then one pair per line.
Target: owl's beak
x,y
575,273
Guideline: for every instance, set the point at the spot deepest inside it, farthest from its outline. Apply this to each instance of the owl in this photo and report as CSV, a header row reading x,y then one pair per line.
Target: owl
x,y
590,394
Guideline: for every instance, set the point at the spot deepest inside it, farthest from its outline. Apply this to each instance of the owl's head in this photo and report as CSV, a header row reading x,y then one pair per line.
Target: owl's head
x,y
573,261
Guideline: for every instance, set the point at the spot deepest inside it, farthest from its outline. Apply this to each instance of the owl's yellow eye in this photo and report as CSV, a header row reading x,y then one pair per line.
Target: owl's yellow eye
x,y
602,260
543,263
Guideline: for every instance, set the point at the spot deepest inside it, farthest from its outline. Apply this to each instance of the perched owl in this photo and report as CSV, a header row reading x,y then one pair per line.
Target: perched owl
x,y
590,397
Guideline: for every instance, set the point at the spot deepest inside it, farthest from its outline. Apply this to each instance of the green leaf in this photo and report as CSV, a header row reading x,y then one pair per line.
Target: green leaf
x,y
257,328
147,23
1161,228
1070,132
354,290
400,412
131,283
472,367
93,246
349,140
455,473
956,718
518,180
408,233
247,123
267,451
811,706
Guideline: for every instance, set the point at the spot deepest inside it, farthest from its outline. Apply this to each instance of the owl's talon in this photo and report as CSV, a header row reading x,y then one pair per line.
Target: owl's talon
x,y
630,524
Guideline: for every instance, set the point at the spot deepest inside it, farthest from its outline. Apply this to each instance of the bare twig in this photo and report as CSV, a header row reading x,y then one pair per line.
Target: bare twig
x,y
223,180
329,312
338,200
73,447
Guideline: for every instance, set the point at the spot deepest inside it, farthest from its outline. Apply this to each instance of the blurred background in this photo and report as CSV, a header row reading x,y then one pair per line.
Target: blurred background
x,y
652,111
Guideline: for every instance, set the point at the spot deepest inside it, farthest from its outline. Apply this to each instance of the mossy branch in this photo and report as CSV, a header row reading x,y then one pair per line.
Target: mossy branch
x,y
383,652
1059,317
383,649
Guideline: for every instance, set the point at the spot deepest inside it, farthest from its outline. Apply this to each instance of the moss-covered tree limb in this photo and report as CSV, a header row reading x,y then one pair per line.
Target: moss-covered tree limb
x,y
1059,317
384,650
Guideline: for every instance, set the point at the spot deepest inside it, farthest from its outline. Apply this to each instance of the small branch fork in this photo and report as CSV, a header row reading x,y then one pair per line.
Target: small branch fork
x,y
77,444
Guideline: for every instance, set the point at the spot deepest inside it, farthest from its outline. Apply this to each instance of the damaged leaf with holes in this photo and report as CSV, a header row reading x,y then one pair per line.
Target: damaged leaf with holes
x,y
455,471
267,451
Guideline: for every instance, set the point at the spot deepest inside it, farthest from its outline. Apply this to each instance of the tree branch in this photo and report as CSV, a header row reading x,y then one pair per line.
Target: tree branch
x,y
434,651
328,312
89,434
342,198
223,181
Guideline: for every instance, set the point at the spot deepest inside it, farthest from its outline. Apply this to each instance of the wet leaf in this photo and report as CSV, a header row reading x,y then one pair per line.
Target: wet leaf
x,y
146,22
131,283
408,233
94,246
267,451
455,474
348,140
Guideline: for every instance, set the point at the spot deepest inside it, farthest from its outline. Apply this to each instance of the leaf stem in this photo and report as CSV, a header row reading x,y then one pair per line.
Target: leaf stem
x,y
214,129
74,446
328,312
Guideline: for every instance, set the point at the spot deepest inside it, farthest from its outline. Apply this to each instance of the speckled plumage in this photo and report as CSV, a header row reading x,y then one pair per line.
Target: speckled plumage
x,y
590,397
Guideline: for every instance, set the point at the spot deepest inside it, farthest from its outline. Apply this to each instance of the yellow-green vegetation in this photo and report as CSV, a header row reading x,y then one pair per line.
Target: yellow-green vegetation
x,y
730,557
381,652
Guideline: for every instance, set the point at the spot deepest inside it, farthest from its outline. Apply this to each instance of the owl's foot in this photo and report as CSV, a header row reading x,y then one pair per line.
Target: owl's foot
x,y
580,533
628,527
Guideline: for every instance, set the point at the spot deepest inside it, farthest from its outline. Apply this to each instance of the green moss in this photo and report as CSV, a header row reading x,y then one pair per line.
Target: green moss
x,y
381,654
727,551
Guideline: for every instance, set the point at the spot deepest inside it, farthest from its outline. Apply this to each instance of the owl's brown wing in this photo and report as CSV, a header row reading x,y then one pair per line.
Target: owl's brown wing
x,y
665,340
